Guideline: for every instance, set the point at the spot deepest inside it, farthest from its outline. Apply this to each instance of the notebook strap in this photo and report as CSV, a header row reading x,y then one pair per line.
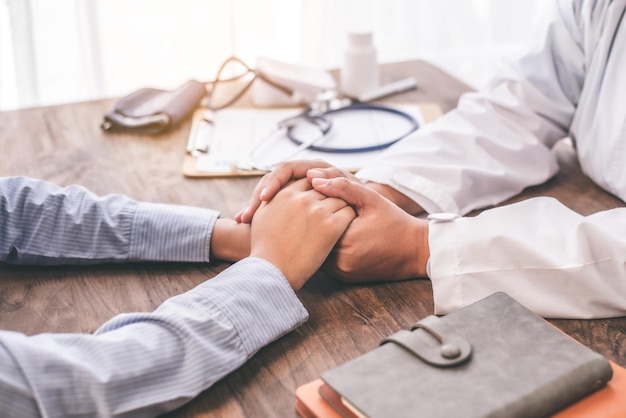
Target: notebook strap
x,y
451,349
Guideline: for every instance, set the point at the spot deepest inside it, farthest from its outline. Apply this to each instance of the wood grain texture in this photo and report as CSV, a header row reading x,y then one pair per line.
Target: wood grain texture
x,y
64,144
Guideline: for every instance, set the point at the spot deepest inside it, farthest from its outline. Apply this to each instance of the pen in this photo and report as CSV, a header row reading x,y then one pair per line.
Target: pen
x,y
396,87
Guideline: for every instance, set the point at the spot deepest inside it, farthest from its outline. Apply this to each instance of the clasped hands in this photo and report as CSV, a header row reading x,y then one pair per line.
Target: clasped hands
x,y
306,214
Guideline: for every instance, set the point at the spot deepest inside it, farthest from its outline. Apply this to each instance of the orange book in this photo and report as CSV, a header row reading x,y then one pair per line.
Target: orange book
x,y
491,358
608,402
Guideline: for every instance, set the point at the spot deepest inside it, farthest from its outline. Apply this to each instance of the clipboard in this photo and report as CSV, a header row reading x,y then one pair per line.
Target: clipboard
x,y
243,125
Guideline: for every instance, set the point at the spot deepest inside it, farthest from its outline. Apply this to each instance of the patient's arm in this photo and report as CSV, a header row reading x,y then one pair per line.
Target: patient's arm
x,y
230,240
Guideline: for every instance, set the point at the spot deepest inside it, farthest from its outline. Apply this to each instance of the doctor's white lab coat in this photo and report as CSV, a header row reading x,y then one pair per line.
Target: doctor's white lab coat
x,y
571,83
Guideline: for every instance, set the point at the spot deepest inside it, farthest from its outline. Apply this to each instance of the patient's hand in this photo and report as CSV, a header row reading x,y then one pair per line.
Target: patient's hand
x,y
272,182
297,230
382,243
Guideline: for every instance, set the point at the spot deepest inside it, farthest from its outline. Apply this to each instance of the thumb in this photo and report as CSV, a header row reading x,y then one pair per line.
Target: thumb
x,y
352,192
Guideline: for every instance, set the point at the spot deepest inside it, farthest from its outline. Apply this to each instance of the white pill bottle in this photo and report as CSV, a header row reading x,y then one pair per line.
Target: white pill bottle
x,y
360,72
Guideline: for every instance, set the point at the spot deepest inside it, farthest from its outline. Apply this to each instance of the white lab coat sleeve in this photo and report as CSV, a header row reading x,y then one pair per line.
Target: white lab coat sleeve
x,y
556,262
500,140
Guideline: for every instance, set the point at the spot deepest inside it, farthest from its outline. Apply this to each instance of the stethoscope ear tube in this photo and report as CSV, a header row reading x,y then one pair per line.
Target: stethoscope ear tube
x,y
325,124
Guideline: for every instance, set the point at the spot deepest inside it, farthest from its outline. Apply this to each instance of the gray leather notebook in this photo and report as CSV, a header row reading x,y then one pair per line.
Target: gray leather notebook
x,y
494,358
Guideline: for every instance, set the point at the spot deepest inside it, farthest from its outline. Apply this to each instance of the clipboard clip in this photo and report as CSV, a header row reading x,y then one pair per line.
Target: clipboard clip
x,y
200,134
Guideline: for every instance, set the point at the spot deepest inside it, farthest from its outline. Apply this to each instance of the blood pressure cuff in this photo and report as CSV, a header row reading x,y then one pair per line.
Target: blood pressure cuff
x,y
153,111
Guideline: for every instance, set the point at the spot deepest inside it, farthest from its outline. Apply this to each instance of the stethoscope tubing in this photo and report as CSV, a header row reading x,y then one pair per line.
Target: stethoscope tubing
x,y
355,107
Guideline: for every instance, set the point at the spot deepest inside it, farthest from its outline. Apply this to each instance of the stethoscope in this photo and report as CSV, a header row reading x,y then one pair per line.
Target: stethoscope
x,y
319,115
325,124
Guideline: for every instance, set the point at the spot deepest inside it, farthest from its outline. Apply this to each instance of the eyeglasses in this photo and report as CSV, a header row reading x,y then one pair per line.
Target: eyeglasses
x,y
234,78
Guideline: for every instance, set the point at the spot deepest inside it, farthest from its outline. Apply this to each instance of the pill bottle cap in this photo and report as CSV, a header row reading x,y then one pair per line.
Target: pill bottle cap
x,y
360,39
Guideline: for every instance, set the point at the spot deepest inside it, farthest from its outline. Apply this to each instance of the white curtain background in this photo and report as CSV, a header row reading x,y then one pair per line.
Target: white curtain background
x,y
58,51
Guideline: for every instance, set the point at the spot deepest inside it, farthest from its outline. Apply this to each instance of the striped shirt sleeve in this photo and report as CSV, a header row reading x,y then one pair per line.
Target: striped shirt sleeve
x,y
144,364
41,223
136,364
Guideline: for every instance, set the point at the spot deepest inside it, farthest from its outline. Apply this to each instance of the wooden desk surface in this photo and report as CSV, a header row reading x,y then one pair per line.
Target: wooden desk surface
x,y
65,145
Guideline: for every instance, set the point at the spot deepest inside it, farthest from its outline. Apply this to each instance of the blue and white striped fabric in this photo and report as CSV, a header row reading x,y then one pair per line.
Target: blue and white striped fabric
x,y
137,364
45,224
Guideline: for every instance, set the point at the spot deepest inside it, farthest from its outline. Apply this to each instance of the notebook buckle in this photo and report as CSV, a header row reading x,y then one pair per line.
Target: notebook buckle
x,y
451,350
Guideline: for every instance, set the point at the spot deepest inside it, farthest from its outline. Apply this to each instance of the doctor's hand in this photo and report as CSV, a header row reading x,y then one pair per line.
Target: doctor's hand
x,y
382,243
275,180
297,230
272,182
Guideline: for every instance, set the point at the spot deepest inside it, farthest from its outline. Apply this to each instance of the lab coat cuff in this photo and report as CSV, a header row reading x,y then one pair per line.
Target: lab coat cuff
x,y
444,262
422,191
163,232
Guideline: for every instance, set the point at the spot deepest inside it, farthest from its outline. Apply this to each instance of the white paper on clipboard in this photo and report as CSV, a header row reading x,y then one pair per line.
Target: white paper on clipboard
x,y
234,132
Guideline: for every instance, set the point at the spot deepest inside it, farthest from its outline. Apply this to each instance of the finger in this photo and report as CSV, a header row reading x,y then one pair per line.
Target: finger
x,y
265,191
339,222
355,194
346,215
328,173
301,185
303,191
338,219
272,182
290,170
332,204
247,213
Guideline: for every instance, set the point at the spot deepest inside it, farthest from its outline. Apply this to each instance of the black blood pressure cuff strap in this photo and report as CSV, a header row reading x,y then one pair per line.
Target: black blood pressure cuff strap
x,y
153,111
